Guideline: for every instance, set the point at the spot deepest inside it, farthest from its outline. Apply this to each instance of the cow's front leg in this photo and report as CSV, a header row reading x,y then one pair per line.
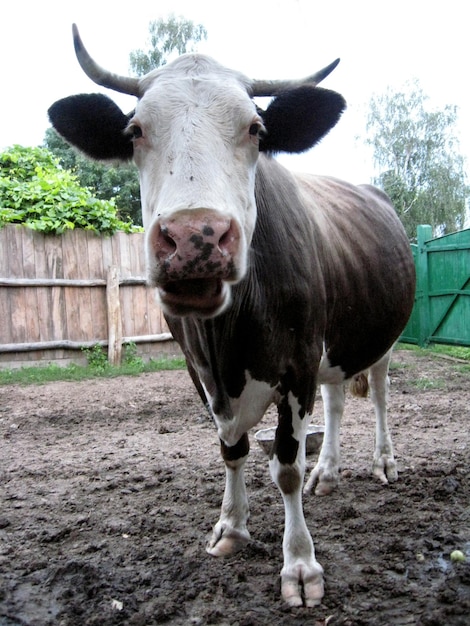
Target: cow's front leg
x,y
230,533
325,475
301,575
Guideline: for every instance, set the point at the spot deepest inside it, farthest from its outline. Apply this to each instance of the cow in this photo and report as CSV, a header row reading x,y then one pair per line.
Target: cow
x,y
271,282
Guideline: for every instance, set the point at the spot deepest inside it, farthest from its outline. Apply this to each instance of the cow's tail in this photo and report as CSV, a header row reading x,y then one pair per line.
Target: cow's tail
x,y
359,385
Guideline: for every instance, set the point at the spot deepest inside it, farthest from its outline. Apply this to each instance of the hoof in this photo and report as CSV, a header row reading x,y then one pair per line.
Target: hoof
x,y
307,591
322,482
227,541
385,469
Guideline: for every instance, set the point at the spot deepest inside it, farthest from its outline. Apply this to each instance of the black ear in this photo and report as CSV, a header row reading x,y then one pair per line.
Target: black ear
x,y
94,124
297,119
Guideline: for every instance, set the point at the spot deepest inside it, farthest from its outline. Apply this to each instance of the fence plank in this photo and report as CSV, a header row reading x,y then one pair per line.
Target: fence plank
x,y
6,331
54,257
114,316
97,296
33,316
14,247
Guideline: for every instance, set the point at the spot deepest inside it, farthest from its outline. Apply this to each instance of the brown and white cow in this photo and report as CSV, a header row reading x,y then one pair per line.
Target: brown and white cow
x,y
272,283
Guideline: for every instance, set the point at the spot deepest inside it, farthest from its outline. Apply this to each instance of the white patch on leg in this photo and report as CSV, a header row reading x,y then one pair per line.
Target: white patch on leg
x,y
301,575
230,534
325,475
384,465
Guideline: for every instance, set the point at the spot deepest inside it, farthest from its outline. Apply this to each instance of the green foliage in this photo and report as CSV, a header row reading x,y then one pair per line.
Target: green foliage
x,y
96,358
455,352
44,374
429,384
36,191
120,182
132,363
417,151
130,357
176,34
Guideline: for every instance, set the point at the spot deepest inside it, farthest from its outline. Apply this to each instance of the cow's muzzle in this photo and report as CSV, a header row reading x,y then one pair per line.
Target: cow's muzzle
x,y
194,256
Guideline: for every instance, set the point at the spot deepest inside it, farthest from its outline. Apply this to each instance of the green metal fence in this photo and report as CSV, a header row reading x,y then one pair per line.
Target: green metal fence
x,y
441,313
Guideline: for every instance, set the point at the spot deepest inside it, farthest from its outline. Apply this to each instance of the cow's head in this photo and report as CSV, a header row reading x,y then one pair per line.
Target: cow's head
x,y
195,136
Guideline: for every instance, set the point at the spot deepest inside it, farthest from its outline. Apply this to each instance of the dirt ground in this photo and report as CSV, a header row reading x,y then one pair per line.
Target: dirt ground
x,y
110,489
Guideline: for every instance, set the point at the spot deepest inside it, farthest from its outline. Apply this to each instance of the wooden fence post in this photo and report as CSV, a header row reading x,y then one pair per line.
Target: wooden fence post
x,y
114,316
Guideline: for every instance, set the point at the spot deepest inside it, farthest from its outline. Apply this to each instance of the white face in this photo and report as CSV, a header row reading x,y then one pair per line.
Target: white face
x,y
196,136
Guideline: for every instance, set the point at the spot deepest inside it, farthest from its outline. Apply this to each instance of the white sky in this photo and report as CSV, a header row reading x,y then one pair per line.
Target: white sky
x,y
380,43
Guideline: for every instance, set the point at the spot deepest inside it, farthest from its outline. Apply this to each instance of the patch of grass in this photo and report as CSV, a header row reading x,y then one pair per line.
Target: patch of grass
x,y
394,365
457,352
41,374
132,365
428,384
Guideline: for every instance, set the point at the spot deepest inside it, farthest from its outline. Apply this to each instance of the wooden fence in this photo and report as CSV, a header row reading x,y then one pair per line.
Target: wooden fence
x,y
61,293
441,313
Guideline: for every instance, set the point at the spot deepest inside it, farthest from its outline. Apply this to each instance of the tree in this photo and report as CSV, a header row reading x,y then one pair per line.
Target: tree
x,y
416,150
176,34
122,182
37,191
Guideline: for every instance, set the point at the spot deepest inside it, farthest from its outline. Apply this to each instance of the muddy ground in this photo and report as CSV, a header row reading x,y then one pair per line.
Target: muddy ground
x,y
110,488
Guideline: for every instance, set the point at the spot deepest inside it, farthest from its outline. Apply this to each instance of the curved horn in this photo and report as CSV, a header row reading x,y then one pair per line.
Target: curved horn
x,y
123,84
273,87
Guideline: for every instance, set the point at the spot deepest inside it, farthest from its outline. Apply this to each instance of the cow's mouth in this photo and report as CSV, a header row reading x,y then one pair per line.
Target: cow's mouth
x,y
204,297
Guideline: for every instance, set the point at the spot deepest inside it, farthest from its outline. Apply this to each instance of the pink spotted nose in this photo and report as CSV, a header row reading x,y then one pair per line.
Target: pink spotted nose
x,y
195,253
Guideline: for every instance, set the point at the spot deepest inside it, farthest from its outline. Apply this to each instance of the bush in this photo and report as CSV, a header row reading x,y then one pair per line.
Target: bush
x,y
36,191
97,358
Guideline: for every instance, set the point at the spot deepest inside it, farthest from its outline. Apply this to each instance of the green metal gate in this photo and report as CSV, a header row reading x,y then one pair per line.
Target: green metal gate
x,y
441,313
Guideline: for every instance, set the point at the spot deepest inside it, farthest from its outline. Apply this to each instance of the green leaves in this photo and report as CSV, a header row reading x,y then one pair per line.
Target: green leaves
x,y
36,191
416,150
175,34
120,182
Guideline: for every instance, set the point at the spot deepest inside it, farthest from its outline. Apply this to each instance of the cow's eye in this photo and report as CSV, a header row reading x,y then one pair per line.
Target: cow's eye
x,y
257,131
134,131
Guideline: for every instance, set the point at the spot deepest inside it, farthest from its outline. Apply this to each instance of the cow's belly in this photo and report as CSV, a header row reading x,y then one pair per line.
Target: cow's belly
x,y
247,410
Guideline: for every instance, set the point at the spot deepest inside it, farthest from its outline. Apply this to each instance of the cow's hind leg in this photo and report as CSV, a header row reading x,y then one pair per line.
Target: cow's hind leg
x,y
301,575
230,533
384,466
325,475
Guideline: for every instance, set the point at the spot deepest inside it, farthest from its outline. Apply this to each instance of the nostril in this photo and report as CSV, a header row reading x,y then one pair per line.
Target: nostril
x,y
168,240
229,240
163,243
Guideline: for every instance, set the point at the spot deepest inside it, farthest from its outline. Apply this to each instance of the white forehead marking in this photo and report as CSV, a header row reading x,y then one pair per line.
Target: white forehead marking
x,y
193,65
